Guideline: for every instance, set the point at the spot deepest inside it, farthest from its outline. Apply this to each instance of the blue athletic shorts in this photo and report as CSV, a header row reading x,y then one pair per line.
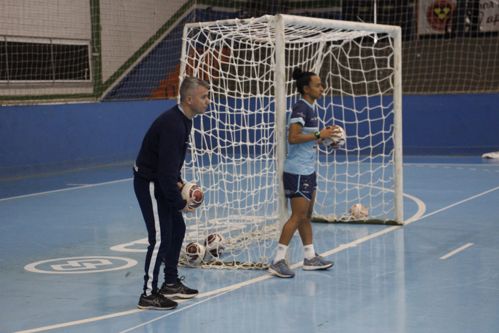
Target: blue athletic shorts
x,y
299,185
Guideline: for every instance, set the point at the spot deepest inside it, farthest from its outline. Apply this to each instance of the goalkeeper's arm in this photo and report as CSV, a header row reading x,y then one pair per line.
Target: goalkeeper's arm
x,y
296,135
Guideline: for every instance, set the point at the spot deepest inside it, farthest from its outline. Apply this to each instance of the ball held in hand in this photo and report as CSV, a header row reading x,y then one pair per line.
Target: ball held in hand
x,y
193,191
337,139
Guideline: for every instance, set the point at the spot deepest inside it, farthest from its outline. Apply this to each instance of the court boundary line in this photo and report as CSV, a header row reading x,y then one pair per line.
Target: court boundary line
x,y
460,202
173,312
456,251
452,165
218,292
266,276
65,189
130,178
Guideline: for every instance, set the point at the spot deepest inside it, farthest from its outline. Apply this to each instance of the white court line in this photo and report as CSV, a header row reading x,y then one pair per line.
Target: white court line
x,y
456,251
458,203
221,291
173,312
209,295
451,165
264,277
66,189
81,321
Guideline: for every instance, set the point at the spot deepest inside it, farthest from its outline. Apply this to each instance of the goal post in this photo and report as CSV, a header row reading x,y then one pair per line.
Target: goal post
x,y
238,146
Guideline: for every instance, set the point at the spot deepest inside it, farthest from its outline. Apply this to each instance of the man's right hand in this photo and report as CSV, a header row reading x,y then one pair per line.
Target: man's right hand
x,y
188,208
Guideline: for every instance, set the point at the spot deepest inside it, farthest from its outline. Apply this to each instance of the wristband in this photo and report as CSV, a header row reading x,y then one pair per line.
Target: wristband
x,y
317,135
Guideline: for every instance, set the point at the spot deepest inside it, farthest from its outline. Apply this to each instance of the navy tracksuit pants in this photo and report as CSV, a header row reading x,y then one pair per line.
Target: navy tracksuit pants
x,y
166,230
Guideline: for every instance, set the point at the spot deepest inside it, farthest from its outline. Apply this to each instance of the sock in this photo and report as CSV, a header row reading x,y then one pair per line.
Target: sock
x,y
308,251
281,252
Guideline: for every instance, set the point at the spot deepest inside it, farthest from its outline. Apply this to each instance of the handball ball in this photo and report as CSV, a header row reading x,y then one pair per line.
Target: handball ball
x,y
359,212
337,139
214,244
193,191
195,253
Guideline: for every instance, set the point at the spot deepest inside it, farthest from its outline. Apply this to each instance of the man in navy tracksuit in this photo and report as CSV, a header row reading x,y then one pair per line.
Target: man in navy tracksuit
x,y
157,185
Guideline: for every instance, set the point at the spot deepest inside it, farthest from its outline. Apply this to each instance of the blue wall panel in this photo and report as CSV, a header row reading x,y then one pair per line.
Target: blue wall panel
x,y
451,124
42,138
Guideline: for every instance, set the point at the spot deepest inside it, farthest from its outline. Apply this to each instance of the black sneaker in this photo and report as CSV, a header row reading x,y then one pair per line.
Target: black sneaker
x,y
156,302
178,290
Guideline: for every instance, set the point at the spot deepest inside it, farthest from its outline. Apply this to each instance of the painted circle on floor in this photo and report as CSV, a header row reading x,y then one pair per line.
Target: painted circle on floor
x,y
80,265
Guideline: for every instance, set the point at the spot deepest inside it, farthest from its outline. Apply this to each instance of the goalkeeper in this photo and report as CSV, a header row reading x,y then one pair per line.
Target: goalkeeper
x,y
299,175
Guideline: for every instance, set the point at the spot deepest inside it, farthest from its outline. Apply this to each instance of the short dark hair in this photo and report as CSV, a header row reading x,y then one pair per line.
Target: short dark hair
x,y
189,83
302,79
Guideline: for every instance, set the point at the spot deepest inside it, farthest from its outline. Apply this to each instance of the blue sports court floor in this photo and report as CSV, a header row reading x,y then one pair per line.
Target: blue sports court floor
x,y
439,273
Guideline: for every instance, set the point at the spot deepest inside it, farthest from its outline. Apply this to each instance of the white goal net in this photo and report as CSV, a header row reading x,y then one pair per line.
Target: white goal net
x,y
239,145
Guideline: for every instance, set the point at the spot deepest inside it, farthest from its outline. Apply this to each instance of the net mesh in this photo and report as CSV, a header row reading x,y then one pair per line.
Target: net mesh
x,y
234,145
233,151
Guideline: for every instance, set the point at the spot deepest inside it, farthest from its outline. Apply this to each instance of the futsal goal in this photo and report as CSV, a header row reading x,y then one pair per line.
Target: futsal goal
x,y
238,147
